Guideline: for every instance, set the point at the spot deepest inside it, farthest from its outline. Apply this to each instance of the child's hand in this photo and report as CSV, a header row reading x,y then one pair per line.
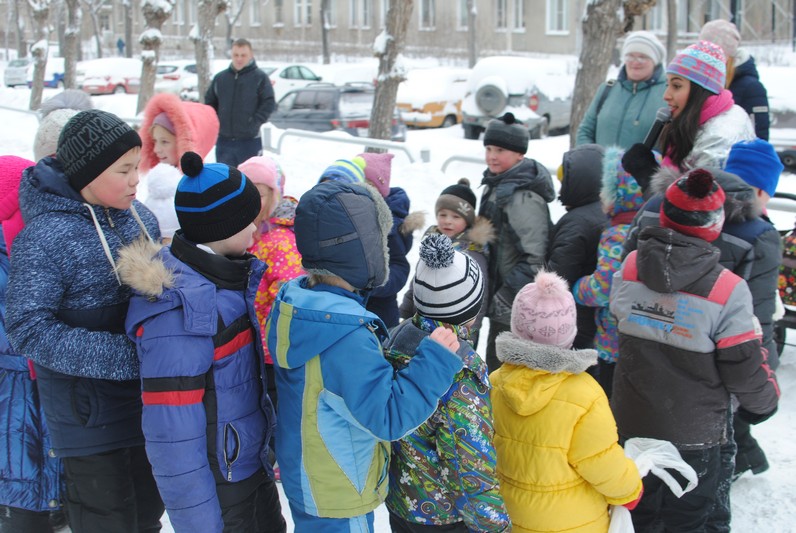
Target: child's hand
x,y
445,337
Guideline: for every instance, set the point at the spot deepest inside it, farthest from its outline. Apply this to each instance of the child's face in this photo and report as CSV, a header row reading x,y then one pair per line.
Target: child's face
x,y
165,145
265,202
116,186
676,94
237,244
499,160
450,223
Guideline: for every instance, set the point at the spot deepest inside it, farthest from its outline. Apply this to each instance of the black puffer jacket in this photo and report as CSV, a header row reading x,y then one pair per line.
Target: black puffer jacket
x,y
572,252
243,100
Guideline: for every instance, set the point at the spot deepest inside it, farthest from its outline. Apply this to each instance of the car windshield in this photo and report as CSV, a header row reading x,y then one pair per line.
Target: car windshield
x,y
166,69
19,63
268,70
356,103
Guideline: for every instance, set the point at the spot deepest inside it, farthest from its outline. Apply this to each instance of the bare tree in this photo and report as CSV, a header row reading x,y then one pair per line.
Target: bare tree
x,y
472,50
202,37
128,27
232,14
22,47
387,48
40,9
671,25
71,43
94,7
156,12
601,28
325,23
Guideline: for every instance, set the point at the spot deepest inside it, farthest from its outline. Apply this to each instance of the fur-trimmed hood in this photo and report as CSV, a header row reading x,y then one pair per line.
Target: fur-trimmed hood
x,y
481,233
196,127
739,203
141,267
515,350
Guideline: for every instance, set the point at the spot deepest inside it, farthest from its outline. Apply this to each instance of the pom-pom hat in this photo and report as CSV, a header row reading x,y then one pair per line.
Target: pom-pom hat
x,y
506,132
448,284
213,201
460,199
702,63
378,170
757,163
694,205
544,312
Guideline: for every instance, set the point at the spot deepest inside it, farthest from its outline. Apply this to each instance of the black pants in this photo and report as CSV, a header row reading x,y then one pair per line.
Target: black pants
x,y
16,520
112,492
233,153
257,512
399,525
495,328
660,510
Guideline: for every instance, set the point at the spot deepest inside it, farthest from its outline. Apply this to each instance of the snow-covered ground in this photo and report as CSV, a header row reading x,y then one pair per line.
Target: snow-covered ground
x,y
760,503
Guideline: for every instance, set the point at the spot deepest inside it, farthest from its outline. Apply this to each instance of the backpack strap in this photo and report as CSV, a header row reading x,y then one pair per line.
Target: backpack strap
x,y
608,86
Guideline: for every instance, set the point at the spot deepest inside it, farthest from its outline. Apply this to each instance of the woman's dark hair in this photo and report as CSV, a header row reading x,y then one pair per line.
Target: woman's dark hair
x,y
679,135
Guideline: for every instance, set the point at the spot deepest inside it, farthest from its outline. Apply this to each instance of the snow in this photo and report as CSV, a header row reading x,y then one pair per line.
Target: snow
x,y
760,503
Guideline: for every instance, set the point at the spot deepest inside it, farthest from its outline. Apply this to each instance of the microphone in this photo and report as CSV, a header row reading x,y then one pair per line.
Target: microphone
x,y
663,116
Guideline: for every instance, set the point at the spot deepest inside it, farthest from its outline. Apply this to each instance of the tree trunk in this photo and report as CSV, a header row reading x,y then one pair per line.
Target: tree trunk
x,y
71,43
41,19
671,34
601,27
128,27
472,50
22,46
381,115
154,16
232,19
96,28
325,31
207,11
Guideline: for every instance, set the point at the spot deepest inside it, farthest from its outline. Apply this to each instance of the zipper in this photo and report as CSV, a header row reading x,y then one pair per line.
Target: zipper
x,y
108,216
230,461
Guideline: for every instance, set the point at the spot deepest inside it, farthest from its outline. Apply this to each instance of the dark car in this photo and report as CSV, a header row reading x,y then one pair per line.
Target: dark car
x,y
326,107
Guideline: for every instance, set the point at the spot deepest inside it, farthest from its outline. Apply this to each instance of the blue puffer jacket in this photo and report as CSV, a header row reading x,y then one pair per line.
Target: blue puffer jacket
x,y
66,312
29,476
750,94
206,418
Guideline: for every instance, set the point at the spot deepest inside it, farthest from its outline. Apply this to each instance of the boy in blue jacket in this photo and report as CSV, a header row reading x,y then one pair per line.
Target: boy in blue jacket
x,y
340,402
207,419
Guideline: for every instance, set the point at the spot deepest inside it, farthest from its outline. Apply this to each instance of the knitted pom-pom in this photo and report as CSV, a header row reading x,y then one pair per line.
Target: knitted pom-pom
x,y
508,118
191,164
436,251
699,183
463,181
550,284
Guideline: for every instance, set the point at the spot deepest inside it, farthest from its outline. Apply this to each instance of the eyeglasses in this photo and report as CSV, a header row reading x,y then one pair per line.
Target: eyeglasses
x,y
632,58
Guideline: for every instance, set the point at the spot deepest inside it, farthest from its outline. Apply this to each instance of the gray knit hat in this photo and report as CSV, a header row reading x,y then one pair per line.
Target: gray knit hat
x,y
55,112
645,42
507,133
91,142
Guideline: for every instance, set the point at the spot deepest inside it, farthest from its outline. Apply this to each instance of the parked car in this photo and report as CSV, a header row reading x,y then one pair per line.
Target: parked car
x,y
110,75
190,83
16,72
432,97
326,107
53,73
537,91
171,75
285,77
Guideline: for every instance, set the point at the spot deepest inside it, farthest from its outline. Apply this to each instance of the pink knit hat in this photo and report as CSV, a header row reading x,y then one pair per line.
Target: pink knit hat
x,y
544,312
378,170
262,169
724,33
11,168
702,63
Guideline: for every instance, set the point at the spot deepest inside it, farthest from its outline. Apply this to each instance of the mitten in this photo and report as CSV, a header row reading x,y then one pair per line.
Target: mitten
x,y
753,418
640,162
632,505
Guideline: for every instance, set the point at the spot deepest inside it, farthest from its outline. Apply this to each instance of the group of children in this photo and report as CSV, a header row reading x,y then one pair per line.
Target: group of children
x,y
172,352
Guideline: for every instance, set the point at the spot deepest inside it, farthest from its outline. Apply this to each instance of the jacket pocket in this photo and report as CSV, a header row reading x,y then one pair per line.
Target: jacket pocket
x,y
231,449
99,402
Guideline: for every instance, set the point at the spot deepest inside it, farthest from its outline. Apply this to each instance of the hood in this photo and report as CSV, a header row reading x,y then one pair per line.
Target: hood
x,y
580,184
196,127
527,174
620,192
397,201
669,261
481,233
745,66
308,321
141,266
44,188
739,197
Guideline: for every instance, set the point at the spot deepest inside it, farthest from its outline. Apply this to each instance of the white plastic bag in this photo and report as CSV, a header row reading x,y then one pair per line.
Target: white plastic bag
x,y
620,520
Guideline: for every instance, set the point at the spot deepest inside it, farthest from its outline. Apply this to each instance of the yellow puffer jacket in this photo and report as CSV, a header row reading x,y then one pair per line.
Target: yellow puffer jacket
x,y
558,459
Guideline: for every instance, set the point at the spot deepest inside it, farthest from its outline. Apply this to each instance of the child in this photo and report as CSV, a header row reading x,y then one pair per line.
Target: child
x,y
66,309
55,112
574,239
517,191
170,128
31,478
559,462
455,213
442,476
384,300
688,339
340,401
206,420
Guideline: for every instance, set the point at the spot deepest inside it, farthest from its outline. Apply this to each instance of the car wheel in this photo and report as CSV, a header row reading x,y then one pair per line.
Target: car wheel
x,y
119,89
449,121
789,160
472,132
542,130
492,95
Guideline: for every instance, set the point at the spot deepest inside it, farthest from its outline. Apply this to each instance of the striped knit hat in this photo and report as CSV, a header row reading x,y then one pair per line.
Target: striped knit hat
x,y
702,63
214,201
448,284
345,170
694,205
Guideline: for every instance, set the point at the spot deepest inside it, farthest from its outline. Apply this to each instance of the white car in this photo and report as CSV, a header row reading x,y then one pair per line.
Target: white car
x,y
16,73
110,75
190,82
171,75
286,77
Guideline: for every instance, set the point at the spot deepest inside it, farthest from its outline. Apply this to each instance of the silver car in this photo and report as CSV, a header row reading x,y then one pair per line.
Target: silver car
x,y
16,72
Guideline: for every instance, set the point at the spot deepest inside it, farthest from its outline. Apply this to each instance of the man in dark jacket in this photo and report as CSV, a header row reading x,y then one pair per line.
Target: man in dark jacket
x,y
243,98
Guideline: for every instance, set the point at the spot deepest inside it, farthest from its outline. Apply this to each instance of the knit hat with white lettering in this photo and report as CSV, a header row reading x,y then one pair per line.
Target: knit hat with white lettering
x,y
460,199
90,142
694,205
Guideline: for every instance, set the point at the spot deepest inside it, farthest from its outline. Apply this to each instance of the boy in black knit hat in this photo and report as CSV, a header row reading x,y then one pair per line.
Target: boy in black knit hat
x,y
206,419
517,191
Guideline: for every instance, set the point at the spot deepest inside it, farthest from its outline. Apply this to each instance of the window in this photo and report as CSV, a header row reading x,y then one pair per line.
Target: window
x,y
385,6
359,13
462,19
427,14
501,16
656,18
519,15
279,18
191,12
255,16
303,13
178,16
557,16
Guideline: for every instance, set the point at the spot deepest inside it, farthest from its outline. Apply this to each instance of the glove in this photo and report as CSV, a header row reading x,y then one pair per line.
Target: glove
x,y
501,306
640,162
753,418
632,505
